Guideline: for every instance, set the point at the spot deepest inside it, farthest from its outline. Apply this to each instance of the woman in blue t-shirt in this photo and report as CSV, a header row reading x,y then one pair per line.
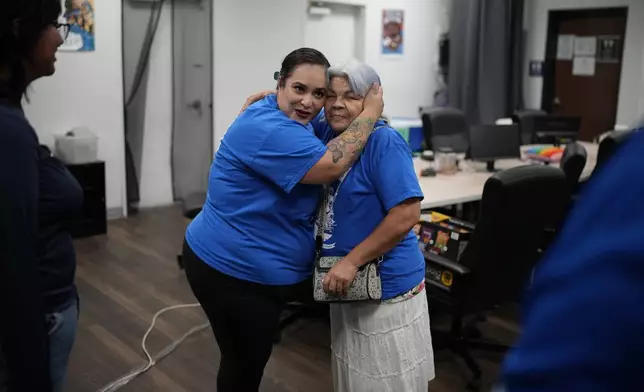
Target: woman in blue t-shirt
x,y
382,346
251,248
371,213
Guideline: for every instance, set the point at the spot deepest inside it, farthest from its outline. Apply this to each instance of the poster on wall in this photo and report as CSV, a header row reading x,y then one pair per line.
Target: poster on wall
x,y
565,45
585,46
79,14
583,66
392,32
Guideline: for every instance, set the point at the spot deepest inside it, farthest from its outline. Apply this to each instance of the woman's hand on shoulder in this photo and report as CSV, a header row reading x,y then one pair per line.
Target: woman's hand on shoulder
x,y
256,97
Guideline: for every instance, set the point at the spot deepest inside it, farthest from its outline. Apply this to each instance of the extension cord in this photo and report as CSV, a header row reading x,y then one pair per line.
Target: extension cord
x,y
120,382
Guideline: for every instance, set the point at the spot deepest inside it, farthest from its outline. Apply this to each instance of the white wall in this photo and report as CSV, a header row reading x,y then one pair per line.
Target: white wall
x,y
154,177
409,81
155,182
87,90
251,38
631,91
641,95
337,35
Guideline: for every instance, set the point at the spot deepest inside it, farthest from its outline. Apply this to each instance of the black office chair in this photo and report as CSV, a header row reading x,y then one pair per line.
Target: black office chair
x,y
572,163
608,146
445,128
525,119
517,206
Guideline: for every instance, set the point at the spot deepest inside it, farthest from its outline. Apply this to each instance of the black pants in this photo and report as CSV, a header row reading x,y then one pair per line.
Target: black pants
x,y
244,317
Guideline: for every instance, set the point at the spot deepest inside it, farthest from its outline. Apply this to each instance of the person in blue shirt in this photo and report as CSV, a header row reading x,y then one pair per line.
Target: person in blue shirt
x,y
371,211
251,248
583,319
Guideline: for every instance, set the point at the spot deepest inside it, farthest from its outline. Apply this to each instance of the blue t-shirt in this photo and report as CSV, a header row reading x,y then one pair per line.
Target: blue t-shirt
x,y
257,222
382,178
584,324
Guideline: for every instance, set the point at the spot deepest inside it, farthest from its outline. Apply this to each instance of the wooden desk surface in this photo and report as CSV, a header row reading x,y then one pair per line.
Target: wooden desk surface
x,y
467,185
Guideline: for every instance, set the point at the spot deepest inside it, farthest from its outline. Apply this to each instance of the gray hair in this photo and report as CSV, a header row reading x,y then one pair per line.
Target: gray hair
x,y
360,76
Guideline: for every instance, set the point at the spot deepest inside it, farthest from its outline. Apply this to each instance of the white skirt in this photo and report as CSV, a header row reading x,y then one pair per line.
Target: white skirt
x,y
382,347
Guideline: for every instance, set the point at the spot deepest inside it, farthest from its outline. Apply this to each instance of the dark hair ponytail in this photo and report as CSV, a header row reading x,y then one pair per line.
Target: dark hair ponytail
x,y
21,25
299,57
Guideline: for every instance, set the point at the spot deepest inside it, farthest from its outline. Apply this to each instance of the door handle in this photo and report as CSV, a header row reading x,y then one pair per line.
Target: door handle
x,y
196,105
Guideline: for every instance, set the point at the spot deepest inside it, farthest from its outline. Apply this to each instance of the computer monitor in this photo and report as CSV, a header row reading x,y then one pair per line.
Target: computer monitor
x,y
556,129
491,142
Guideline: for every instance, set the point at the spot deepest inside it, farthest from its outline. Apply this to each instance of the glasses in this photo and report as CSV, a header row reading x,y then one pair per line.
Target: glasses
x,y
63,29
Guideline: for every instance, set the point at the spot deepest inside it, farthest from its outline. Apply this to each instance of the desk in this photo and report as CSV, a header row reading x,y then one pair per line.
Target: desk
x,y
467,185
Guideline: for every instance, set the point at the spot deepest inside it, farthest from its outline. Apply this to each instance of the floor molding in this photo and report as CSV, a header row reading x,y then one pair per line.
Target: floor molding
x,y
115,213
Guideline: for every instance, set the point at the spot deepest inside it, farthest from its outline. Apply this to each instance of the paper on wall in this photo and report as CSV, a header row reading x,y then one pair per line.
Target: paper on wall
x,y
583,66
565,45
585,46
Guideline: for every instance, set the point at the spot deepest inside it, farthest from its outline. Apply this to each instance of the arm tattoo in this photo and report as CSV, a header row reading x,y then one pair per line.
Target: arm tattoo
x,y
337,153
350,143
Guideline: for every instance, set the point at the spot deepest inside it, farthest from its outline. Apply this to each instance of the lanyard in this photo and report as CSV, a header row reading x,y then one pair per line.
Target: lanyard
x,y
322,210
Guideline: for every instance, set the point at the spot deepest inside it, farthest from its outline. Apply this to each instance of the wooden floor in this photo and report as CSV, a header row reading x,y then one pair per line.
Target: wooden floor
x,y
124,278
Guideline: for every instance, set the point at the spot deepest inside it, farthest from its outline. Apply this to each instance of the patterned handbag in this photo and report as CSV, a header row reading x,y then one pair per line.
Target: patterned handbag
x,y
366,285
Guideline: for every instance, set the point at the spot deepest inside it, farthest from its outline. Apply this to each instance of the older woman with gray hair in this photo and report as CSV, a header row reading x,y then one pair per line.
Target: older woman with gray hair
x,y
370,213
382,346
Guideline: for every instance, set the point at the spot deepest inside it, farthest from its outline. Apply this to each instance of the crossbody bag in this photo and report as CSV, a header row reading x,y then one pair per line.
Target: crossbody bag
x,y
366,285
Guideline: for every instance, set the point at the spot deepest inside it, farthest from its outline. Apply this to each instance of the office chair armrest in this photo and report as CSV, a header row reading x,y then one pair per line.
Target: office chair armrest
x,y
457,268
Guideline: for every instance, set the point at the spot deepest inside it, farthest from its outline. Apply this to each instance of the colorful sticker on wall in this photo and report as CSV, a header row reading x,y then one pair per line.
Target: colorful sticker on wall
x,y
392,32
79,14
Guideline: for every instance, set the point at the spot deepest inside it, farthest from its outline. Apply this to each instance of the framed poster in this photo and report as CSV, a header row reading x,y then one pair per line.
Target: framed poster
x,y
392,32
79,14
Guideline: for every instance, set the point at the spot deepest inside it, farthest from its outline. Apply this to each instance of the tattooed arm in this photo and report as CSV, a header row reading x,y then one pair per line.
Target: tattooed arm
x,y
345,149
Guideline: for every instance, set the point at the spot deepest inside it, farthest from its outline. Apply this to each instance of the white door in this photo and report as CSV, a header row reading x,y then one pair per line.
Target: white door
x,y
337,35
192,131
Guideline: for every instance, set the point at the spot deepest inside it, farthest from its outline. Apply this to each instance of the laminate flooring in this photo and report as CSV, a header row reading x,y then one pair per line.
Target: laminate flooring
x,y
128,275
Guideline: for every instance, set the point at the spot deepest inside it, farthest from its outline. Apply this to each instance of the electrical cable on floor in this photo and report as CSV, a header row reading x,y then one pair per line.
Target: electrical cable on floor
x,y
117,384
